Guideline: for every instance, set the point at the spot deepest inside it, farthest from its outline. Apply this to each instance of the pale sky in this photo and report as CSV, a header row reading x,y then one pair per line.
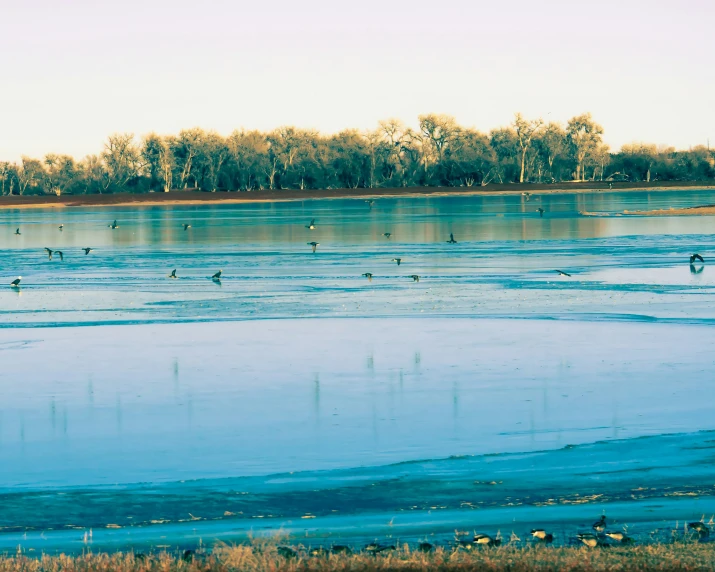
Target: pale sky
x,y
74,71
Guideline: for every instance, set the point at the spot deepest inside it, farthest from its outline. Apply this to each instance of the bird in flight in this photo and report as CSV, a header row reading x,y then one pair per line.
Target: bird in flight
x,y
314,245
696,256
371,203
398,260
387,234
173,274
414,277
451,239
562,273
17,232
217,277
695,270
87,250
187,226
113,225
61,227
311,226
59,253
16,283
527,195
540,211
368,275
49,253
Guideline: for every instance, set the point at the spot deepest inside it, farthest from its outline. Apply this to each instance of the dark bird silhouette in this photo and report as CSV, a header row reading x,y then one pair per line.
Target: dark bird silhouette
x,y
696,256
540,211
187,226
562,273
425,547
398,260
368,275
341,549
527,195
371,203
49,253
311,226
314,245
113,225
217,277
59,253
173,274
16,283
17,232
542,535
187,556
61,227
696,270
700,528
414,277
600,525
387,234
451,239
590,540
87,250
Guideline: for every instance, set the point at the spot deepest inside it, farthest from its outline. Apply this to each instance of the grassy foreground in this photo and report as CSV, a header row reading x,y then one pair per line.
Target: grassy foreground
x,y
677,556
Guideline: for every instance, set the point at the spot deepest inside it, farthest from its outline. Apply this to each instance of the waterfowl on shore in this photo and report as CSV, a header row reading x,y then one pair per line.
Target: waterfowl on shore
x,y
696,256
286,552
173,274
600,525
314,244
217,277
590,540
368,275
311,226
414,277
486,540
187,226
87,250
451,239
398,260
562,273
16,283
540,211
340,549
49,253
187,556
700,528
621,537
425,547
387,234
17,232
542,535
113,225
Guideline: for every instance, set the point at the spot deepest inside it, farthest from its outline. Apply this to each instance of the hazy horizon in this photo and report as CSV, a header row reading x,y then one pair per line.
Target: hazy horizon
x,y
80,72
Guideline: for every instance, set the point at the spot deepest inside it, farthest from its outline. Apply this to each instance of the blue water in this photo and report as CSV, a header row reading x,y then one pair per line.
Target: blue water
x,y
119,383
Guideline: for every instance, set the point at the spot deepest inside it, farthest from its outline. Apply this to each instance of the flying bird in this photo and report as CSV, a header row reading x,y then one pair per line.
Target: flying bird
x,y
562,273
113,225
398,260
451,239
600,525
187,226
217,276
540,211
368,275
87,250
311,226
16,283
696,256
387,234
49,253
542,535
314,245
414,277
173,274
17,232
62,256
694,270
371,203
527,195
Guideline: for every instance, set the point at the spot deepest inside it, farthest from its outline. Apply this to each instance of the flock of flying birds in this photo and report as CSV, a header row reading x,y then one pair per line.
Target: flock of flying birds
x,y
314,245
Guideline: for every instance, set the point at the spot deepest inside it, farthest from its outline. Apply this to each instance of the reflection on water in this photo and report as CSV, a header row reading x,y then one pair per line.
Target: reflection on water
x,y
116,404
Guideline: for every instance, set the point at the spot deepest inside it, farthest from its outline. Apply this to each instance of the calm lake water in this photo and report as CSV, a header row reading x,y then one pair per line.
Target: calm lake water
x,y
312,391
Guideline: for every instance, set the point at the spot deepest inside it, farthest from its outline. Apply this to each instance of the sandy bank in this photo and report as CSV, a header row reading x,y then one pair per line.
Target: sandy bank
x,y
200,198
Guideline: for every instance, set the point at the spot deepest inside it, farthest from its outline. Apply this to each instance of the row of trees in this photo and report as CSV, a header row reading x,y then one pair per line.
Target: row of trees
x,y
438,153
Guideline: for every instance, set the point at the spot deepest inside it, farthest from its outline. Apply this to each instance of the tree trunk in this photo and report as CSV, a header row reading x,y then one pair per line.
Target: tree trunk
x,y
523,161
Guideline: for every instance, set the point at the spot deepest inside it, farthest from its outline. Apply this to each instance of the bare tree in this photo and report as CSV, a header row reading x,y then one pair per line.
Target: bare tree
x,y
525,131
584,137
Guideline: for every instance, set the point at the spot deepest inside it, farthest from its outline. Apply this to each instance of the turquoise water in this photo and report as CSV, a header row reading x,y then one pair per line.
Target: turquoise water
x,y
119,383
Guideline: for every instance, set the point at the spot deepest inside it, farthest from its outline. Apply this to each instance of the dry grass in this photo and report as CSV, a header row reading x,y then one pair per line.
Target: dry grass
x,y
266,557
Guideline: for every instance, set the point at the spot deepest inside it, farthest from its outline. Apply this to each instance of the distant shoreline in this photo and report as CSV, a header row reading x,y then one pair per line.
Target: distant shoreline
x,y
175,198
